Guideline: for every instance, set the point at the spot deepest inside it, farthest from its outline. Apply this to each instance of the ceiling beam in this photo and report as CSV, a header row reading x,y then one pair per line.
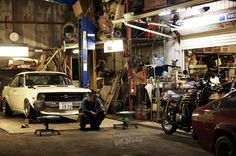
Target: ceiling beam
x,y
156,12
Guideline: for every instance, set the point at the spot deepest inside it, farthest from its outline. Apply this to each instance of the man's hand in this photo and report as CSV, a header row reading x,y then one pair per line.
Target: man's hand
x,y
93,113
100,110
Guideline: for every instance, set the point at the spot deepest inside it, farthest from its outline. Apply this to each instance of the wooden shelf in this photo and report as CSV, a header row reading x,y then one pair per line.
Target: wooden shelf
x,y
227,67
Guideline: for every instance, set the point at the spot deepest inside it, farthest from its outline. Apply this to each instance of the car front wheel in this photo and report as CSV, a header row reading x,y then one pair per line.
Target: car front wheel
x,y
225,147
29,112
6,108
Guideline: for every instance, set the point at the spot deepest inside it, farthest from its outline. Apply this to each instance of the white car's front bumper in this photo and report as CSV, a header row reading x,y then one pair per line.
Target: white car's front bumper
x,y
64,113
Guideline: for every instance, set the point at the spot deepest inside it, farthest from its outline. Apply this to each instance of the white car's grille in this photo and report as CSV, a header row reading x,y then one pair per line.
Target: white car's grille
x,y
63,97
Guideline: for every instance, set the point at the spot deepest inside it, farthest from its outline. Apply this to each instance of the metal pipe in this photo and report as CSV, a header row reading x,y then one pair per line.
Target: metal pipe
x,y
171,26
129,60
158,24
51,58
146,30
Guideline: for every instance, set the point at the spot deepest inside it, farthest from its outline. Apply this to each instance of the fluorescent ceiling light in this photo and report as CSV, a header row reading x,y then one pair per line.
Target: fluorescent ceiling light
x,y
14,51
201,21
76,51
113,46
165,13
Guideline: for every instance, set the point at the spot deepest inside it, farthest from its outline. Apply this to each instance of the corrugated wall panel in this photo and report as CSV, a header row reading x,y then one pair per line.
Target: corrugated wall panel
x,y
209,41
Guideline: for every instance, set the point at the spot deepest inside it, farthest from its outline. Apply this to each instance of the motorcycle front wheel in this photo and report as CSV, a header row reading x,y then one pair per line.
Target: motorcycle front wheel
x,y
167,127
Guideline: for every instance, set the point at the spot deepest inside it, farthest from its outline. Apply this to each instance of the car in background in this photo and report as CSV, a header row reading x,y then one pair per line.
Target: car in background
x,y
228,87
214,125
53,89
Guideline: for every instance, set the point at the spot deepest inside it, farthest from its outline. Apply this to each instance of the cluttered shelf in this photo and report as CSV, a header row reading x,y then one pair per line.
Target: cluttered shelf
x,y
228,67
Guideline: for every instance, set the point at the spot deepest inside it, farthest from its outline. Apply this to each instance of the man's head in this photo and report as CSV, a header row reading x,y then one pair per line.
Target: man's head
x,y
93,95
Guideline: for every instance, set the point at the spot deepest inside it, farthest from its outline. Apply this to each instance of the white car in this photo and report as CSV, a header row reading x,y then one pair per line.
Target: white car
x,y
54,89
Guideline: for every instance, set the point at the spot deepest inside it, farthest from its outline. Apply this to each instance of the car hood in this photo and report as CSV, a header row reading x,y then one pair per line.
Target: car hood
x,y
51,89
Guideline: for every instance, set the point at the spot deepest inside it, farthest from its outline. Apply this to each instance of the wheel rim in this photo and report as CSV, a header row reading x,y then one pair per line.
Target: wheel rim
x,y
27,109
4,107
225,149
167,124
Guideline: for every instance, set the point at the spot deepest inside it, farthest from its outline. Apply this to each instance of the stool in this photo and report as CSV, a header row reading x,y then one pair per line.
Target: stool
x,y
124,115
39,106
46,120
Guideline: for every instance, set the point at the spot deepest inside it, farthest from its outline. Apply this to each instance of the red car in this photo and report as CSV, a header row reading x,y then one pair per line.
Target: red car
x,y
214,125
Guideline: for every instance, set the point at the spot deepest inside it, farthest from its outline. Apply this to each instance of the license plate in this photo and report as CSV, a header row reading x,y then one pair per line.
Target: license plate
x,y
65,105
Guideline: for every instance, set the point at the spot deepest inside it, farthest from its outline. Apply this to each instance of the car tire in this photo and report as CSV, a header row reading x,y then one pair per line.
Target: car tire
x,y
224,146
29,112
6,108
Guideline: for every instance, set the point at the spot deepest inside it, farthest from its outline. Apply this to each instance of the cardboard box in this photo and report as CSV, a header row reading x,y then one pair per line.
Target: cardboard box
x,y
80,7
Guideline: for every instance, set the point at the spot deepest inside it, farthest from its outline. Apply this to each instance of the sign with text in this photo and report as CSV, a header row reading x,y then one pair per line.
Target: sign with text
x,y
112,46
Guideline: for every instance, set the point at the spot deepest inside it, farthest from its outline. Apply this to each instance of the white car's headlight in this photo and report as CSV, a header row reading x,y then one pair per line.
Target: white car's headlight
x,y
41,96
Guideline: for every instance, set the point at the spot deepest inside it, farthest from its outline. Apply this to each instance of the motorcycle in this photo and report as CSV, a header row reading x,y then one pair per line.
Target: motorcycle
x,y
177,108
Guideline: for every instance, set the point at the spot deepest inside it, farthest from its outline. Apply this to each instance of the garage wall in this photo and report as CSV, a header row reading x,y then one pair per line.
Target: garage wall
x,y
38,23
173,52
148,53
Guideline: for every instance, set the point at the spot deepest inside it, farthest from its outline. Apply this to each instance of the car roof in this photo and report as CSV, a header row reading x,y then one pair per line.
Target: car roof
x,y
32,72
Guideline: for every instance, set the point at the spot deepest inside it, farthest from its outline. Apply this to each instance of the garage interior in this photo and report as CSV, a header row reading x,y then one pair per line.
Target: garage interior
x,y
131,52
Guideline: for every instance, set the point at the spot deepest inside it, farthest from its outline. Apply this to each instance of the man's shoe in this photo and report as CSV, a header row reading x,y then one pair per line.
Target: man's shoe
x,y
95,127
82,127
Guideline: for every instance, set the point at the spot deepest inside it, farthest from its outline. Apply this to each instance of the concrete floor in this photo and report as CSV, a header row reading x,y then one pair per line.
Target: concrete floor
x,y
106,142
12,125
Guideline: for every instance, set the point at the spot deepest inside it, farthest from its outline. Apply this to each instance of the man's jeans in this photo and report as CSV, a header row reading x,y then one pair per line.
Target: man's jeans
x,y
88,118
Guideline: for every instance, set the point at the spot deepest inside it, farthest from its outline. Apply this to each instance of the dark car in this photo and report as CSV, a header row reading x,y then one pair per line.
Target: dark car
x,y
214,125
228,87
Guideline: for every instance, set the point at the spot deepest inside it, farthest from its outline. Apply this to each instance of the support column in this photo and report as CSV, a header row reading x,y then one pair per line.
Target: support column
x,y
130,68
92,71
87,39
84,52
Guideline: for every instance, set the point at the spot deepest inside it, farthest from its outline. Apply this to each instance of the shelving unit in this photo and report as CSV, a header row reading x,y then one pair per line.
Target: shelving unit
x,y
220,62
227,67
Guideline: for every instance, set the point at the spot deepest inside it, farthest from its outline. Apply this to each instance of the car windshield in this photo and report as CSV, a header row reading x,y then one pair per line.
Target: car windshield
x,y
227,101
46,79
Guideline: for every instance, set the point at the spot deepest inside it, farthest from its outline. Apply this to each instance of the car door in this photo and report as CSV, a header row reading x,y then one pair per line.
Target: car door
x,y
12,87
227,110
221,112
17,93
208,122
220,115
